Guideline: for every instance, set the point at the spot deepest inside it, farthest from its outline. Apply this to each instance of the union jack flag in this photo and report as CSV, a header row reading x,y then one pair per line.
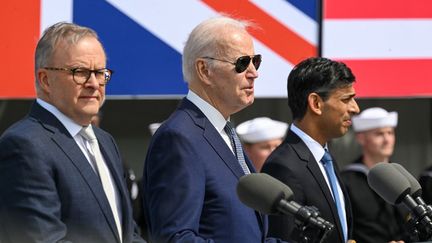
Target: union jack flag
x,y
144,39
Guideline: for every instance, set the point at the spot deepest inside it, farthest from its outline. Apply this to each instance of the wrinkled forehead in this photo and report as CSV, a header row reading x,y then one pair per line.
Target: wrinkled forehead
x,y
88,45
72,40
235,42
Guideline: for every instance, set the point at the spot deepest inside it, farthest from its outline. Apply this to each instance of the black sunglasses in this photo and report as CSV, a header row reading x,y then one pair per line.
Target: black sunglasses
x,y
242,63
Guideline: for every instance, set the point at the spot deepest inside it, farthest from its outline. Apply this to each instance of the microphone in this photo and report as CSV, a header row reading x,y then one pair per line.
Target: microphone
x,y
268,195
388,182
416,189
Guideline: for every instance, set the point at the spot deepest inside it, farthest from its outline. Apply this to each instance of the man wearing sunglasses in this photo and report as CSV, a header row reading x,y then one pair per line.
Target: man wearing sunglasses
x,y
61,180
194,160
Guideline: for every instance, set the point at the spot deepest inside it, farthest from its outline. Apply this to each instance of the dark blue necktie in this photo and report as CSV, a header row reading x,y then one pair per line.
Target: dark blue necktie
x,y
236,144
328,165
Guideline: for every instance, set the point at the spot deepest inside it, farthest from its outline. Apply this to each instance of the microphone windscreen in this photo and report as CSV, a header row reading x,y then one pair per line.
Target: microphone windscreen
x,y
388,182
262,192
416,189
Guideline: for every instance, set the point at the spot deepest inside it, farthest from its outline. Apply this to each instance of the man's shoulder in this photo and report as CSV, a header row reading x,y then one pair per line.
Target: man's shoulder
x,y
182,120
353,178
355,171
285,153
283,162
25,135
26,127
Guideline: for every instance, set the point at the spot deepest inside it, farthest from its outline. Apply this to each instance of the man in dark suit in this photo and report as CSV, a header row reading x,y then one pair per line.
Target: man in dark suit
x,y
58,183
191,170
321,98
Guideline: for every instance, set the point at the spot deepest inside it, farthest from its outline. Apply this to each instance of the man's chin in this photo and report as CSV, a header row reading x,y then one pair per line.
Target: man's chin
x,y
250,99
90,111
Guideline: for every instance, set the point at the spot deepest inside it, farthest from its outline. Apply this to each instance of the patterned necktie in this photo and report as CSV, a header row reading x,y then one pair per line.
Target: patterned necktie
x,y
328,165
95,155
236,144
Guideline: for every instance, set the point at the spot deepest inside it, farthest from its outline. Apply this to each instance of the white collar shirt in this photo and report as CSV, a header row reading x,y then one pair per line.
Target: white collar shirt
x,y
214,116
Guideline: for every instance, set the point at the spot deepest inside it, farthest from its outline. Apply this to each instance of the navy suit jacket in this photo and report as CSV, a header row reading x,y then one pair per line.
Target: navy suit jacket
x,y
190,180
293,164
48,190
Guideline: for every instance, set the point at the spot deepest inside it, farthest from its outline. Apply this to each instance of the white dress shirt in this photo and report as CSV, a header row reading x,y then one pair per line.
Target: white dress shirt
x,y
318,152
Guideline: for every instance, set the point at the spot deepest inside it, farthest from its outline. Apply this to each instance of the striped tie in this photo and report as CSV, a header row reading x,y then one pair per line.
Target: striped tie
x,y
235,142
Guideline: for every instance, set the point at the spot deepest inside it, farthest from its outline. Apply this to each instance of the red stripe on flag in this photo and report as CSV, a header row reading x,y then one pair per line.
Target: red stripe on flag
x,y
334,9
273,34
392,78
20,32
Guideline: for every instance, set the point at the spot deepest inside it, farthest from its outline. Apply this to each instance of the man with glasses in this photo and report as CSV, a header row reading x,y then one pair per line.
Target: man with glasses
x,y
195,159
61,180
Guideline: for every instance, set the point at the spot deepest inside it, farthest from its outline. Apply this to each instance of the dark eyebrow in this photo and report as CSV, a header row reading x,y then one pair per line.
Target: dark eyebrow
x,y
347,96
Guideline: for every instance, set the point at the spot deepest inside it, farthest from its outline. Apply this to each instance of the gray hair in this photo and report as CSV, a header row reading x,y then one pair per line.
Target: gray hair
x,y
205,40
62,31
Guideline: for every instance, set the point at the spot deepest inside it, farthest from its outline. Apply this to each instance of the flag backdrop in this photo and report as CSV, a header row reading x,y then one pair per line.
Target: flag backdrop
x,y
144,40
387,44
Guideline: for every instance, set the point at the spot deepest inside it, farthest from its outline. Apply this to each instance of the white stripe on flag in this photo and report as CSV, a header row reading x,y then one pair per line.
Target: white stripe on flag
x,y
383,38
291,17
53,11
170,21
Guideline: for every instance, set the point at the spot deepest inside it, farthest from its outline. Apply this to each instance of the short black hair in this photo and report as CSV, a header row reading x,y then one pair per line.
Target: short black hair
x,y
315,74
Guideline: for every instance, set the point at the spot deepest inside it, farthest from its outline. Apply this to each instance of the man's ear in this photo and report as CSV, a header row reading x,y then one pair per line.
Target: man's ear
x,y
202,70
42,79
315,103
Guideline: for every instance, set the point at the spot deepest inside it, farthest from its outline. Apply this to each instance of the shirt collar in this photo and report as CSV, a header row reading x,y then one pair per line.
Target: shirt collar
x,y
316,149
72,127
214,116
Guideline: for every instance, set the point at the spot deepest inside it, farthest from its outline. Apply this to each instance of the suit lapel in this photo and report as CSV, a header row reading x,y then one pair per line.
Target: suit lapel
x,y
110,159
222,149
218,144
67,144
249,162
213,137
304,154
262,219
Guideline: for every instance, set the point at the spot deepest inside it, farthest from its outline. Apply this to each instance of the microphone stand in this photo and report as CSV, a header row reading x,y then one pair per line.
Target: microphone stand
x,y
307,232
421,229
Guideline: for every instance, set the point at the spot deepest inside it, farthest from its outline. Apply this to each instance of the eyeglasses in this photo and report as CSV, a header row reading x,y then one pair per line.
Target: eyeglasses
x,y
82,75
242,63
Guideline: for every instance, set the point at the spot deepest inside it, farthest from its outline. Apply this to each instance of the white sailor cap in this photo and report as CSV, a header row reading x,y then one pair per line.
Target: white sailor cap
x,y
153,127
261,129
374,117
